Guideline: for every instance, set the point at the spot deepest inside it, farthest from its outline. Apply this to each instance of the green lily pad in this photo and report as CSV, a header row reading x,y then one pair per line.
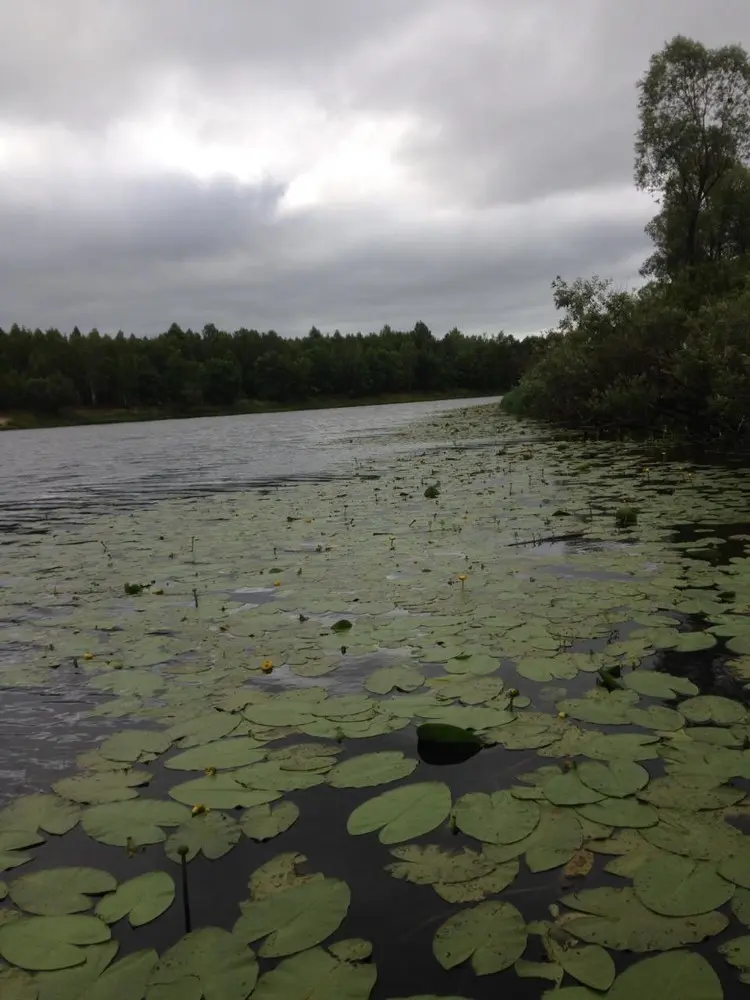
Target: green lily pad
x,y
212,834
425,865
656,684
133,824
402,813
203,728
210,963
544,669
58,891
467,689
474,890
737,953
656,717
713,708
371,769
234,751
622,746
675,886
104,786
388,679
498,818
69,984
491,934
589,964
142,899
125,980
317,975
40,812
567,789
220,791
616,778
295,919
42,943
616,918
351,950
690,793
620,812
135,744
263,822
680,974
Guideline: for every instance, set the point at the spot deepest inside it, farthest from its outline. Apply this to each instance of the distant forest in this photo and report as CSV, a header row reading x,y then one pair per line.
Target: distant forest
x,y
182,371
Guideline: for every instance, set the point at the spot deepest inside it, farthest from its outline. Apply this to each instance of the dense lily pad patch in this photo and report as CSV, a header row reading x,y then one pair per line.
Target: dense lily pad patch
x,y
460,710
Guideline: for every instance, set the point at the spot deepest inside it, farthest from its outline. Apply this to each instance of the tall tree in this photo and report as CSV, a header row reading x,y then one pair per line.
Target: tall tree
x,y
694,108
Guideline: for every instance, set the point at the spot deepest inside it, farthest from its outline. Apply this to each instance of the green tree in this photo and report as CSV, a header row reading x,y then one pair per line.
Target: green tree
x,y
694,109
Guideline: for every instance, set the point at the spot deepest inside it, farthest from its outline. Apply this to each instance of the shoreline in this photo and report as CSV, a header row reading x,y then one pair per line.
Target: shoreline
x,y
85,416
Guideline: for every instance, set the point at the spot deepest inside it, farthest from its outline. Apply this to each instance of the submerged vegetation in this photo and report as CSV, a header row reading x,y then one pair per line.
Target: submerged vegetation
x,y
90,378
396,749
672,358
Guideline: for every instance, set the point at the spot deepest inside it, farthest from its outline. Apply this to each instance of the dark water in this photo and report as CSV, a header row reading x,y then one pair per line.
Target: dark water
x,y
50,472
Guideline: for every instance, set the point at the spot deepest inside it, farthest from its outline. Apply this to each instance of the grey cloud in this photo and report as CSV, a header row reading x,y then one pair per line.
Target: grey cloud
x,y
514,103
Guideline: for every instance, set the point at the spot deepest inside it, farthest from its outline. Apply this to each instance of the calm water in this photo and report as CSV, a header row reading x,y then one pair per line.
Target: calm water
x,y
52,472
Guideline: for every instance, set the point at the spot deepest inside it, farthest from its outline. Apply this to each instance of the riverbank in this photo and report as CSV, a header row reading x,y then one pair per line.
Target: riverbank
x,y
84,416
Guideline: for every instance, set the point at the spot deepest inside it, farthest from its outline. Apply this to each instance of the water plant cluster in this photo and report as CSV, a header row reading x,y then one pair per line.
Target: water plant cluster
x,y
497,715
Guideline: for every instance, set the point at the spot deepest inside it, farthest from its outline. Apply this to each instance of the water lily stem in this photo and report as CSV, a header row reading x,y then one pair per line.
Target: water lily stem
x,y
185,893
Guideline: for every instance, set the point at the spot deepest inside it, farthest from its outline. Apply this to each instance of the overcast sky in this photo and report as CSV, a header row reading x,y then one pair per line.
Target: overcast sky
x,y
343,163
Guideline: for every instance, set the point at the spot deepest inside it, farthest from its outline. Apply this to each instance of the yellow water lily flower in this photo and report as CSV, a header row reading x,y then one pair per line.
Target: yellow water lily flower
x,y
199,809
277,583
210,771
267,666
88,656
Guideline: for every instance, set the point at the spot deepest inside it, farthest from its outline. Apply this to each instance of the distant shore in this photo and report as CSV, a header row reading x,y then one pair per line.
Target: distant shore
x,y
82,416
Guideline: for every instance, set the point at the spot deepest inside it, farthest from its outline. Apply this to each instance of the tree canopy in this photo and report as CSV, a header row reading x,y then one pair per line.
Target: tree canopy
x,y
672,357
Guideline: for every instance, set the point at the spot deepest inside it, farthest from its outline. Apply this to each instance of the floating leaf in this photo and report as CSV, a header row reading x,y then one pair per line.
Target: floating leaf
x,y
589,964
123,824
266,821
656,717
204,728
579,865
220,791
622,746
402,813
680,887
103,786
11,842
620,812
616,918
425,865
210,963
680,974
316,975
394,678
468,690
135,744
294,919
554,842
273,775
72,983
235,751
737,953
40,812
142,899
56,891
498,818
351,950
476,889
371,769
125,980
40,943
567,789
15,984
616,779
713,708
491,934
691,793
212,834
695,835
279,874
658,685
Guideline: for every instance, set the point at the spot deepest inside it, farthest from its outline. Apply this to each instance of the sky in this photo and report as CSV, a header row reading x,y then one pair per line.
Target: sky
x,y
339,163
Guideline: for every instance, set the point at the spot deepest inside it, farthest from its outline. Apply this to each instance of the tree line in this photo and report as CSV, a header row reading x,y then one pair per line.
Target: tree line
x,y
673,357
185,371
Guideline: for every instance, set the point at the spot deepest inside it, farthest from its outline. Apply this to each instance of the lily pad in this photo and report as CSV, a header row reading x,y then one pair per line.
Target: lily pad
x,y
402,813
680,974
425,865
57,891
220,791
674,886
295,919
41,943
371,769
616,918
125,980
263,822
317,975
210,963
40,812
103,786
133,824
212,834
235,751
616,778
656,684
388,679
620,812
491,934
498,818
713,708
142,899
